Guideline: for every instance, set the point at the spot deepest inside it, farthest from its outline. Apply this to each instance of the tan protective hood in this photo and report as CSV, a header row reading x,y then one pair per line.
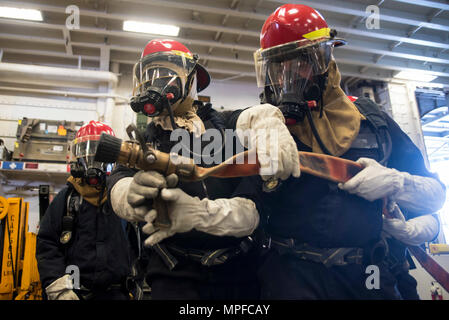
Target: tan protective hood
x,y
185,117
339,124
89,193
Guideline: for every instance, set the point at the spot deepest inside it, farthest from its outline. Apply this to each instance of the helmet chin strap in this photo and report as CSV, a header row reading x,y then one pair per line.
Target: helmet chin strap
x,y
170,114
187,89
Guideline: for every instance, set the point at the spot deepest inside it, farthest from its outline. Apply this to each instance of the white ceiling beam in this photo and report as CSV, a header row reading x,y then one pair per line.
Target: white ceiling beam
x,y
383,52
424,3
21,37
51,54
123,17
368,75
125,34
397,66
370,34
262,16
340,58
416,29
354,9
371,76
232,46
389,35
198,7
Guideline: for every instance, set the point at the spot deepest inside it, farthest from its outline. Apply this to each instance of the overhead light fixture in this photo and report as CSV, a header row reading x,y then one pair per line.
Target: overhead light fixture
x,y
419,76
23,14
152,28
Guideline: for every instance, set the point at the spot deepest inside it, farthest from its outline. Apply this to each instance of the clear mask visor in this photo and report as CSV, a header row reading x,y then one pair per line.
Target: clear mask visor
x,y
154,76
285,64
159,69
85,148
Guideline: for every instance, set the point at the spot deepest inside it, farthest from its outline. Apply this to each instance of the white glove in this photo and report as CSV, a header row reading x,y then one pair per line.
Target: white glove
x,y
415,193
61,289
236,217
275,147
412,232
131,197
421,194
374,181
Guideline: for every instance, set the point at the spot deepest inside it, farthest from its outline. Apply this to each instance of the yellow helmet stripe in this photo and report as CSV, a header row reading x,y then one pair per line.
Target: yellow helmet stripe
x,y
182,54
323,32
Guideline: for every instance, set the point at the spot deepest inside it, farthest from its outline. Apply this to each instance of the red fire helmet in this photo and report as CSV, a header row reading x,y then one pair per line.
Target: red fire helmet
x,y
93,129
293,22
295,39
175,50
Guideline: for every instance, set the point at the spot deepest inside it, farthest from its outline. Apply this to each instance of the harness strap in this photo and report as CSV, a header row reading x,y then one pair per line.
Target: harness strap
x,y
205,257
327,256
73,204
375,117
166,256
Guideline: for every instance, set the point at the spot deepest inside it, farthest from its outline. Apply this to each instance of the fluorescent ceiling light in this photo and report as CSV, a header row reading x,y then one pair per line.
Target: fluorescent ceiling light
x,y
23,14
152,28
415,76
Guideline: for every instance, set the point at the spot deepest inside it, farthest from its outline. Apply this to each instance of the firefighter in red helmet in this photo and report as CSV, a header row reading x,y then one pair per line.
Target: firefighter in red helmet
x,y
82,249
166,80
321,237
206,253
83,149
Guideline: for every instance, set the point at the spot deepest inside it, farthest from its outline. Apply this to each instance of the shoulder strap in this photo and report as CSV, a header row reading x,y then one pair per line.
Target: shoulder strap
x,y
72,205
372,112
376,118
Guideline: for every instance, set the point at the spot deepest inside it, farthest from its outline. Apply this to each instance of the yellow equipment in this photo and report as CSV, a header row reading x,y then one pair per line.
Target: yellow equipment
x,y
19,278
438,248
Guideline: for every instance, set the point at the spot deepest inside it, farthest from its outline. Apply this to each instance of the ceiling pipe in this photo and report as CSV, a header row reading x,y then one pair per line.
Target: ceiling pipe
x,y
44,72
68,93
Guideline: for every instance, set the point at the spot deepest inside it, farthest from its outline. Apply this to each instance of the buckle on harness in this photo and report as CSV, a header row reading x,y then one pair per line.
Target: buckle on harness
x,y
206,258
336,257
327,256
220,256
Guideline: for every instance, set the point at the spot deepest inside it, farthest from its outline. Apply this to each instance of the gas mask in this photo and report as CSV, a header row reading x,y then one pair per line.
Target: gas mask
x,y
294,76
163,83
82,164
160,89
93,175
296,97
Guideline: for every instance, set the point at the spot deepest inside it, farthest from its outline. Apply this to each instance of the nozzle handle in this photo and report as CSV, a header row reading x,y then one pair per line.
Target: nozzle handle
x,y
162,219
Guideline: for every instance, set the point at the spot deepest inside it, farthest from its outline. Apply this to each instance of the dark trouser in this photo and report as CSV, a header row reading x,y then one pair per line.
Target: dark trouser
x,y
190,280
286,277
112,293
167,288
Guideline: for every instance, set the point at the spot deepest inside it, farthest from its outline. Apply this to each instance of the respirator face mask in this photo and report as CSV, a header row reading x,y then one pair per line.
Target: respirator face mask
x,y
294,75
158,88
161,82
293,84
82,164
